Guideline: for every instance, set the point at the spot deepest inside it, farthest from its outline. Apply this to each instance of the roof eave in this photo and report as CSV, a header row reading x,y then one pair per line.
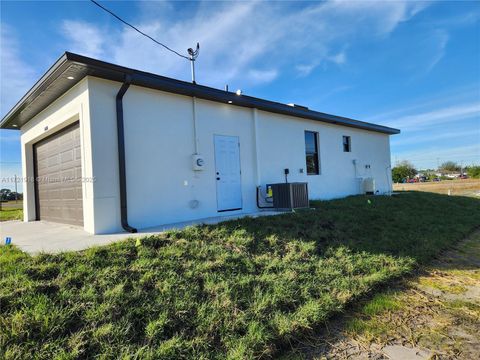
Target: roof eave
x,y
4,123
83,66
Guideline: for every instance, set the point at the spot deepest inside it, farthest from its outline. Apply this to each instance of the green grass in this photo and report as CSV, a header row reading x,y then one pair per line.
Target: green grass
x,y
240,289
380,303
365,322
11,214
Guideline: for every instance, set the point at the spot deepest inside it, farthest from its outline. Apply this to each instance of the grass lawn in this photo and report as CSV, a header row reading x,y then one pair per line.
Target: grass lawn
x,y
435,312
11,214
240,289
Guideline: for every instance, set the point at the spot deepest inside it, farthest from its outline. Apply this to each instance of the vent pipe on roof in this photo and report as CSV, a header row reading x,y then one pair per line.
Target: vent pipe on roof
x,y
298,106
121,155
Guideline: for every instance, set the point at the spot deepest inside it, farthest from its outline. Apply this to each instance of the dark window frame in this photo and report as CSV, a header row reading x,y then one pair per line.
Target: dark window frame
x,y
347,146
315,155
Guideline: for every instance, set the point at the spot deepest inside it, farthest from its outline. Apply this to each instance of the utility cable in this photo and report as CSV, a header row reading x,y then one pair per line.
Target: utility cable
x,y
139,31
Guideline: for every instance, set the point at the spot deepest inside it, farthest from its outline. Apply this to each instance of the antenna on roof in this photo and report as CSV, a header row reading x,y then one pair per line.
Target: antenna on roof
x,y
192,56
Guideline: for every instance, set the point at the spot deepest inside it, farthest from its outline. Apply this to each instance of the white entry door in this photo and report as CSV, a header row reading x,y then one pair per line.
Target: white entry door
x,y
227,172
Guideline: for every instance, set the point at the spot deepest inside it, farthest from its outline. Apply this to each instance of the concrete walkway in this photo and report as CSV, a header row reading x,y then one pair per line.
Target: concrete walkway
x,y
42,236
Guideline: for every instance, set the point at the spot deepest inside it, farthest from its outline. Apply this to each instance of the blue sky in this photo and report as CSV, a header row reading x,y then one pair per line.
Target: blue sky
x,y
406,64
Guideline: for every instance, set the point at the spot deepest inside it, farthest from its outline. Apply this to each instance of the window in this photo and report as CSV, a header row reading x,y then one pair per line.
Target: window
x,y
347,147
311,153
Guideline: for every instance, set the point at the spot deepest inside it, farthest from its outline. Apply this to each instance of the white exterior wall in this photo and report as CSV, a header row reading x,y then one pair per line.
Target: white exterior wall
x,y
282,145
159,143
71,107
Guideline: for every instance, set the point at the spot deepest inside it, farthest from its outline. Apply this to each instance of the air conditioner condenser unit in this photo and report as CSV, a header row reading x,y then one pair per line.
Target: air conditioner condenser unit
x,y
289,195
369,186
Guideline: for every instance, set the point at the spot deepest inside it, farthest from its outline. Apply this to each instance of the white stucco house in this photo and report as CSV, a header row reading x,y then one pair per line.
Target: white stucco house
x,y
108,147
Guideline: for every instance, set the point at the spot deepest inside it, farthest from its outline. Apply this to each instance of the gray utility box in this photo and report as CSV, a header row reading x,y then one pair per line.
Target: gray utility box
x,y
290,195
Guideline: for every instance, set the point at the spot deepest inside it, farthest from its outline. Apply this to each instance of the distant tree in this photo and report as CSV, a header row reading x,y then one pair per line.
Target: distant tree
x,y
449,166
473,171
4,194
430,174
14,196
402,171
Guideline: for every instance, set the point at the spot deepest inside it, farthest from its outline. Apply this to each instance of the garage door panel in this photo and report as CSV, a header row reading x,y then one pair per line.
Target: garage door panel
x,y
71,165
53,160
78,173
68,173
66,157
69,194
59,172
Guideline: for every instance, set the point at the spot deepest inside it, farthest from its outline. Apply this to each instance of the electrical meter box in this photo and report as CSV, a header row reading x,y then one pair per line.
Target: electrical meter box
x,y
198,162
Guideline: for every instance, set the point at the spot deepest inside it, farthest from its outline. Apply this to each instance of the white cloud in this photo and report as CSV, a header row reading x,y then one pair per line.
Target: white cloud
x,y
17,76
85,38
443,115
304,69
441,39
235,37
442,98
429,138
262,76
339,59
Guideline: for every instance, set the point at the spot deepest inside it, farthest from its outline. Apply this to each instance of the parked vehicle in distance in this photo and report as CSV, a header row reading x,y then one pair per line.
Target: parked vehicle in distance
x,y
463,176
436,179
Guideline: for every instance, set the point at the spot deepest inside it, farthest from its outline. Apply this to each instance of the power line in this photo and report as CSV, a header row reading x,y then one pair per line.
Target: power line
x,y
139,31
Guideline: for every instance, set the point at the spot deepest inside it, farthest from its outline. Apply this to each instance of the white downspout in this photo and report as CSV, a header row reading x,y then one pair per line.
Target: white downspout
x,y
256,136
389,181
195,136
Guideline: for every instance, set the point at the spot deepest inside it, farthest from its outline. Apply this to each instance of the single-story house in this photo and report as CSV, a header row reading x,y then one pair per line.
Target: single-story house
x,y
108,147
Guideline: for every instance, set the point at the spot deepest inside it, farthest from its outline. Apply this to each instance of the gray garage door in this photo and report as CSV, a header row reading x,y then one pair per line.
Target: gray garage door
x,y
58,171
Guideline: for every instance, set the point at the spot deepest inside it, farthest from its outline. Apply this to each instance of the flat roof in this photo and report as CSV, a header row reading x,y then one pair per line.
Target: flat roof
x,y
70,68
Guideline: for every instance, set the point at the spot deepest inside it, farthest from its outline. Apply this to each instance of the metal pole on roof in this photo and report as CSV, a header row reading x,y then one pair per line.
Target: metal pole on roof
x,y
192,56
192,63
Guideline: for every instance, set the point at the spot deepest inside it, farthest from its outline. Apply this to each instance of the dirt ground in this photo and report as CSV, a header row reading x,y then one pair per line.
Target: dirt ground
x,y
463,187
433,315
6,205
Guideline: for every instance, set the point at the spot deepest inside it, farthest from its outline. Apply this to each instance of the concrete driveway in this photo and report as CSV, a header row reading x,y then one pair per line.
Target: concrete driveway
x,y
42,236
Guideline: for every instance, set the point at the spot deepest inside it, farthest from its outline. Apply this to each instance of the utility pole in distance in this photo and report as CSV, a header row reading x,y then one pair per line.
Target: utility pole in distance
x,y
16,192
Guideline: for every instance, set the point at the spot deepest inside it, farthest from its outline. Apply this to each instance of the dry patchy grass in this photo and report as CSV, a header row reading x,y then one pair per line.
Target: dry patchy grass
x,y
460,187
436,313
11,214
